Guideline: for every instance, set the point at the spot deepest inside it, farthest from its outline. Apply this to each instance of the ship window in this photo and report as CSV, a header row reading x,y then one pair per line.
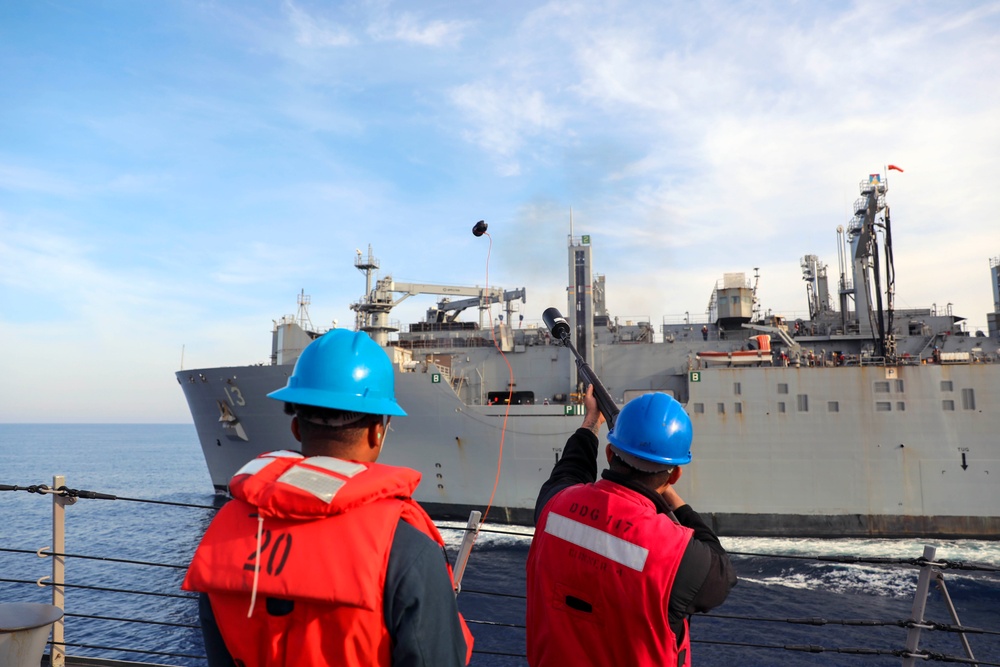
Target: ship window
x,y
782,388
803,402
781,406
736,388
899,386
516,398
946,385
699,408
738,408
968,399
722,408
883,406
901,406
947,405
881,387
833,406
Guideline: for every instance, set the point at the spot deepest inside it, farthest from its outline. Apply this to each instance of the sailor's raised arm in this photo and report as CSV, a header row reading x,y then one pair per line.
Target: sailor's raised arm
x,y
593,417
578,462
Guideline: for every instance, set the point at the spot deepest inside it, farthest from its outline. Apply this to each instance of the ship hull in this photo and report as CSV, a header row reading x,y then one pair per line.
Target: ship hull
x,y
810,451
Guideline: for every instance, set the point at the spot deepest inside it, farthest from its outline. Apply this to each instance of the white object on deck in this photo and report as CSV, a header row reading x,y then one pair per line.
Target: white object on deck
x,y
24,630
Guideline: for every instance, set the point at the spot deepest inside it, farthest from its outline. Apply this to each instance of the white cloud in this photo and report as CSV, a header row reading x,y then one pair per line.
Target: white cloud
x,y
503,120
315,31
409,28
17,178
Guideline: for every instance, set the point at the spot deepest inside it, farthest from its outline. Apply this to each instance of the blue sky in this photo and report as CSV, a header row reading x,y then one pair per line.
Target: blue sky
x,y
172,174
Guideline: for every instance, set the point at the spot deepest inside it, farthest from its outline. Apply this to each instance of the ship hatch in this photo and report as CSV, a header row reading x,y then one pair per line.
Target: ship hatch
x,y
231,425
516,398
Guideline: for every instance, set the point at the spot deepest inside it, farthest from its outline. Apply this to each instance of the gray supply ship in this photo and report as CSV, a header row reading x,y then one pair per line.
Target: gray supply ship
x,y
863,420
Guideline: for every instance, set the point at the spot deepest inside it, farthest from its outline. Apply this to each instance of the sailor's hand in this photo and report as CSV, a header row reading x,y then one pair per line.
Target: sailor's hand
x,y
673,498
593,418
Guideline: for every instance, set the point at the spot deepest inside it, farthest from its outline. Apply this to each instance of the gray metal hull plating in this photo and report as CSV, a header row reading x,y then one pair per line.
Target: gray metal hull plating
x,y
812,451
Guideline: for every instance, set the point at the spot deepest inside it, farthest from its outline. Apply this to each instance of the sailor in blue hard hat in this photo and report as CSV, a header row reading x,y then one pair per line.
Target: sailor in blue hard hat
x,y
342,379
345,567
652,434
623,553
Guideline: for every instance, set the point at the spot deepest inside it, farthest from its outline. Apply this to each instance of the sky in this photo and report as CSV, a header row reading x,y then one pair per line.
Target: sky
x,y
174,174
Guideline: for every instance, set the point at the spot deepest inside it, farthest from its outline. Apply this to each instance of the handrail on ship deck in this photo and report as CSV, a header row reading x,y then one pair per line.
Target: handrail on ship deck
x,y
62,496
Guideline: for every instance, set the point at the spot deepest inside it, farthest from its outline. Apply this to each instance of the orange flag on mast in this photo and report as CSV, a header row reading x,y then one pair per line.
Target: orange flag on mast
x,y
892,166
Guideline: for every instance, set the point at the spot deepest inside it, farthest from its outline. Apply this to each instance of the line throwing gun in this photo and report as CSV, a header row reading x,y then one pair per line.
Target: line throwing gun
x,y
559,327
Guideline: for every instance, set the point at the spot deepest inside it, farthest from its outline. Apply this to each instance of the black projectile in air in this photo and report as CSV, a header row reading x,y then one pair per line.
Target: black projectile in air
x,y
479,228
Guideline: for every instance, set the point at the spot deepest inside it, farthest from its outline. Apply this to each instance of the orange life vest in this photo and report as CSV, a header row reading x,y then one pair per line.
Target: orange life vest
x,y
600,570
316,531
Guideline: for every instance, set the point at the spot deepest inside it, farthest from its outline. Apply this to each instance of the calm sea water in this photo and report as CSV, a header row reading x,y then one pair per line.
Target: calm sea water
x,y
164,462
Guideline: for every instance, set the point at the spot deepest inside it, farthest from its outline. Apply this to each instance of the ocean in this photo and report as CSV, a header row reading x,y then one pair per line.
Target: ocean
x,y
164,463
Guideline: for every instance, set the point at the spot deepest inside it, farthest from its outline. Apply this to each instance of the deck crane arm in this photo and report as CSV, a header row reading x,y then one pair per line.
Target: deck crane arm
x,y
481,295
453,308
373,309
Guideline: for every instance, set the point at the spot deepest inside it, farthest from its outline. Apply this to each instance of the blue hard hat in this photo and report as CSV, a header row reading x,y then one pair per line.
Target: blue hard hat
x,y
343,370
652,433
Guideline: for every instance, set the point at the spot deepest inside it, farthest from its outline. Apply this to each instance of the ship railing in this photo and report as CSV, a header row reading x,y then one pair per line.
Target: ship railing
x,y
444,370
509,636
444,343
177,605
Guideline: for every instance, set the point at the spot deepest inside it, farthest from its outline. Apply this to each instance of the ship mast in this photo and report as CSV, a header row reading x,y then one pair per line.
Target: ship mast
x,y
366,311
874,320
580,296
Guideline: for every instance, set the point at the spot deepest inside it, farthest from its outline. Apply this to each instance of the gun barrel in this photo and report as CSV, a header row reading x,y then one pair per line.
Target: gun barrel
x,y
605,403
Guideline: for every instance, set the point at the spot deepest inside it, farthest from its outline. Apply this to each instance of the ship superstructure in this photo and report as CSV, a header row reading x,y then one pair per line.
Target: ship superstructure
x,y
860,420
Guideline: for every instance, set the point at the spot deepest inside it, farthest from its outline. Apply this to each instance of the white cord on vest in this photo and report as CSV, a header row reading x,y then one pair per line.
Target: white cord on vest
x,y
256,565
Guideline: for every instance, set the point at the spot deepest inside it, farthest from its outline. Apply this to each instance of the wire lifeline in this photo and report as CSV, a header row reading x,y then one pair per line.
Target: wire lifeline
x,y
813,648
99,588
930,625
130,650
850,560
941,657
141,621
498,624
917,562
94,495
41,489
905,623
853,560
41,553
800,648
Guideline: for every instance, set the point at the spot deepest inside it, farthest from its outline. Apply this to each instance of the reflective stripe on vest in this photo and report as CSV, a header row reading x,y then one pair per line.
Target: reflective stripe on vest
x,y
598,541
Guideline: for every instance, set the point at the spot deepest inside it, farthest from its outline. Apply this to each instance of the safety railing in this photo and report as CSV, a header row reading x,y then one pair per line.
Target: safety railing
x,y
931,570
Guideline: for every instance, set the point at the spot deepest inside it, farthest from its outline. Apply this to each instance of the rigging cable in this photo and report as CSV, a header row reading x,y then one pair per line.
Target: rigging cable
x,y
480,230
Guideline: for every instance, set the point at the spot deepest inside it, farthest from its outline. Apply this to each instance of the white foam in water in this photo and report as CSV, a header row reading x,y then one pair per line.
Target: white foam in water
x,y
493,534
968,551
891,581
